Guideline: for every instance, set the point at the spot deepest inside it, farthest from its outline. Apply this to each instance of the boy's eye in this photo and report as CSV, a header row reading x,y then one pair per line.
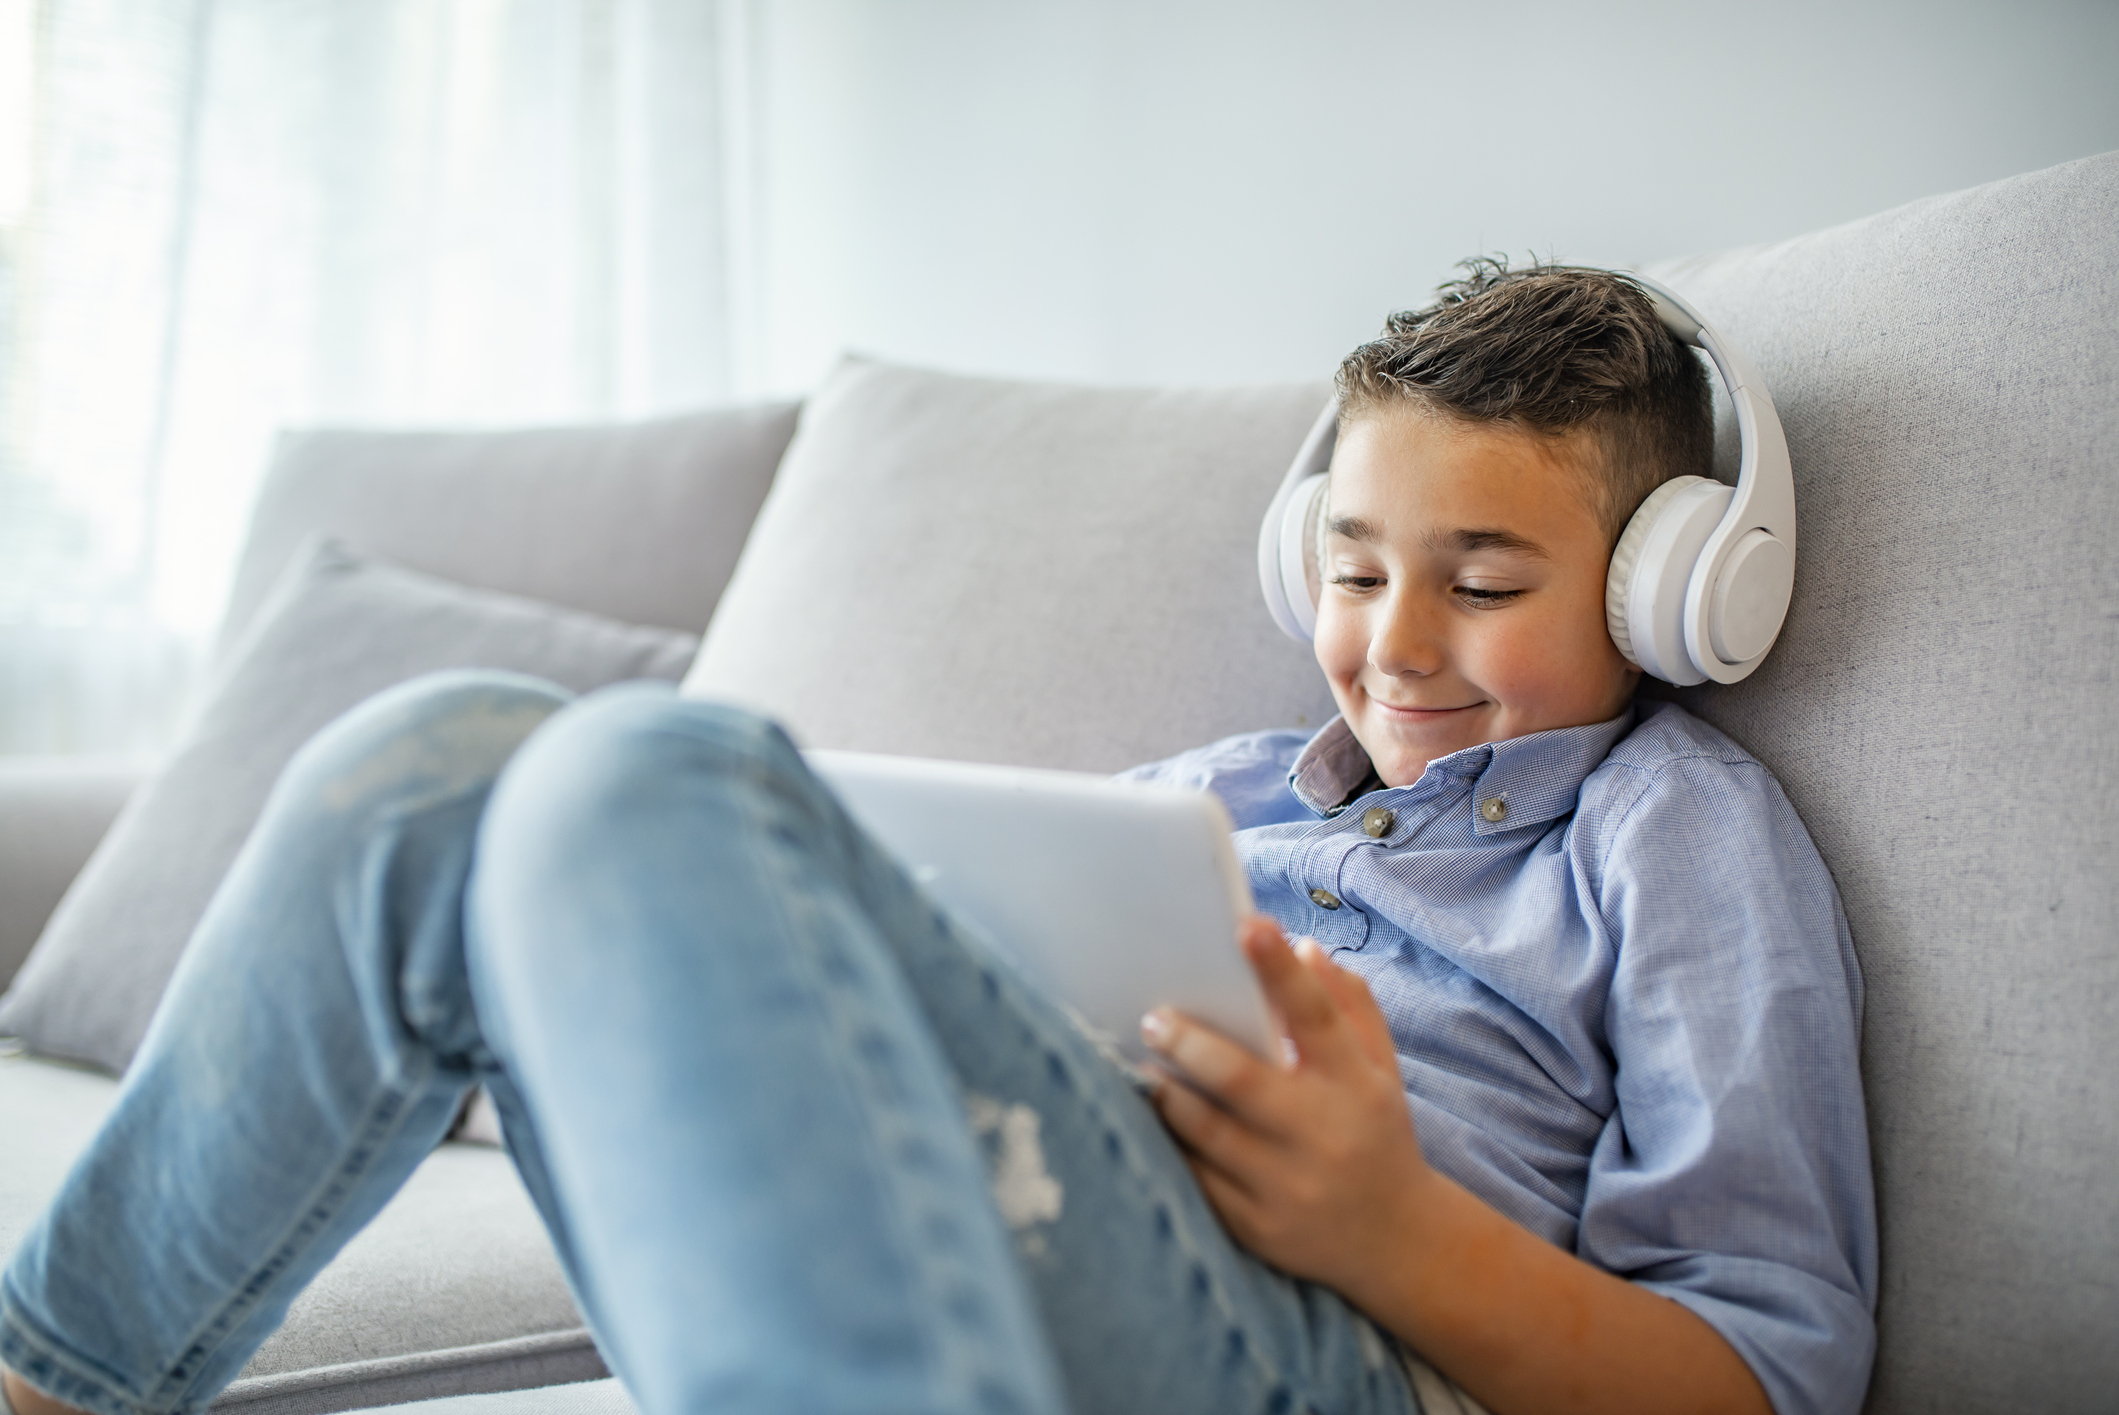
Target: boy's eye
x,y
1479,598
1356,582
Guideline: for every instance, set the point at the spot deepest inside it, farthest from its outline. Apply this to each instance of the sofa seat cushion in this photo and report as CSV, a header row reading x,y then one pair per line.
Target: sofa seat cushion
x,y
604,1397
453,1287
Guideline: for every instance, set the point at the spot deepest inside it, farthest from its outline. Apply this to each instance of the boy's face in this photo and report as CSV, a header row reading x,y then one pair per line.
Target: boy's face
x,y
1463,597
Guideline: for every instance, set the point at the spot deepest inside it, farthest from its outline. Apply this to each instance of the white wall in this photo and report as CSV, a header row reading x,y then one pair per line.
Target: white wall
x,y
1172,190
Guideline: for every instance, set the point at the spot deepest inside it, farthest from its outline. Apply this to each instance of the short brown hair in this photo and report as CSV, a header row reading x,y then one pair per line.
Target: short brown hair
x,y
1549,349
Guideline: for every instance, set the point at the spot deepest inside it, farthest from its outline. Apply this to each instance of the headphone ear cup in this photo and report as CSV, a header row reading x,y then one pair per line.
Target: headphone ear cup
x,y
1317,518
1644,591
1288,535
1300,539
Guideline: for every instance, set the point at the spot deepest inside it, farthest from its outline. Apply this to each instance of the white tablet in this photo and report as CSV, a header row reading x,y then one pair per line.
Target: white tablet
x,y
1115,897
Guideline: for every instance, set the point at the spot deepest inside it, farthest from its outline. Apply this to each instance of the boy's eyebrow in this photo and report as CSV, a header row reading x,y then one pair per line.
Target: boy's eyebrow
x,y
1353,528
1472,541
1464,542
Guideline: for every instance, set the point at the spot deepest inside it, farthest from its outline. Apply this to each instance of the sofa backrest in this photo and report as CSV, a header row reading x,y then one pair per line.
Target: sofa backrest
x,y
1940,709
1017,572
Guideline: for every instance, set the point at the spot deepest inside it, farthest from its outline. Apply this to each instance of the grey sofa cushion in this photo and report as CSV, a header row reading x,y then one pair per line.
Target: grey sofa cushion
x,y
337,629
970,568
452,1288
604,1397
1941,711
53,810
639,521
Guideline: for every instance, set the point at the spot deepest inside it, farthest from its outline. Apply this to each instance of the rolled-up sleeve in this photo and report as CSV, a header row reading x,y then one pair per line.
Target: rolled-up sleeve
x,y
1733,1173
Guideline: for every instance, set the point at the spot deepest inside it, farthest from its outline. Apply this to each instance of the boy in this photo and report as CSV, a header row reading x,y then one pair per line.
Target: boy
x,y
1603,1001
740,1059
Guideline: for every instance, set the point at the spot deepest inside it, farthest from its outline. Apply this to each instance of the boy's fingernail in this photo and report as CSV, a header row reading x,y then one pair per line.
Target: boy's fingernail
x,y
1155,1027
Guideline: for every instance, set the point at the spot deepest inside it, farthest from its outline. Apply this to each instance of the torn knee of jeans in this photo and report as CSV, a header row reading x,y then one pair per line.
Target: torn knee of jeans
x,y
1023,1189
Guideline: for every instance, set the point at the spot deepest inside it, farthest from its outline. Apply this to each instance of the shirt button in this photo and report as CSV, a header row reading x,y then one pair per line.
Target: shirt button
x,y
1324,899
1376,822
1495,810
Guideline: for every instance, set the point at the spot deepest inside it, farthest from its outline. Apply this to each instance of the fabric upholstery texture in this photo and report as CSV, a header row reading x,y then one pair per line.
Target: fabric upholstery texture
x,y
639,521
453,1288
1014,572
604,1397
337,629
1940,710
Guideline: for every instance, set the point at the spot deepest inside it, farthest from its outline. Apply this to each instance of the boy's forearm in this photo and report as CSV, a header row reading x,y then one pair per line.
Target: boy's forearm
x,y
1525,1327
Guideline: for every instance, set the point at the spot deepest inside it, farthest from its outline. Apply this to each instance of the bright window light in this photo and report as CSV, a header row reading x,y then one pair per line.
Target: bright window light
x,y
18,46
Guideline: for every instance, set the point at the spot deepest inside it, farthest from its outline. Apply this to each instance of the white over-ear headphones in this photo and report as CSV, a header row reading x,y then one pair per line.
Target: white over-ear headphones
x,y
1701,579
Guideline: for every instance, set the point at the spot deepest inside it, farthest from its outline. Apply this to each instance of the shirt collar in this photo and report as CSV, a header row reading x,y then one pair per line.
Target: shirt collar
x,y
1519,782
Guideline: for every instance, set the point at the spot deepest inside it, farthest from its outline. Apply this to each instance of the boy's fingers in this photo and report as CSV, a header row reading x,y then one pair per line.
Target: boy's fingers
x,y
1206,1130
1263,931
1312,1015
1260,928
1230,1201
1351,992
1212,1062
1244,1084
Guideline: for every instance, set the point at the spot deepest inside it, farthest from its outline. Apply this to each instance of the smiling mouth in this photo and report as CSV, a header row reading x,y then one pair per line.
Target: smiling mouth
x,y
1420,712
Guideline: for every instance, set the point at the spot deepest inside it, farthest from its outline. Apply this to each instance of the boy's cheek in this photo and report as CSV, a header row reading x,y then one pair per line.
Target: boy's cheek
x,y
1340,650
1560,678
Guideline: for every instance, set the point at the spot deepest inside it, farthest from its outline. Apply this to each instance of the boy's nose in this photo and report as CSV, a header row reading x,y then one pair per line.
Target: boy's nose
x,y
1406,641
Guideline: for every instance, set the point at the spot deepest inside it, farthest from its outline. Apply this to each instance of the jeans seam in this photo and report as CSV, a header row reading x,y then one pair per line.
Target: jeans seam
x,y
21,1338
385,1118
762,776
18,1330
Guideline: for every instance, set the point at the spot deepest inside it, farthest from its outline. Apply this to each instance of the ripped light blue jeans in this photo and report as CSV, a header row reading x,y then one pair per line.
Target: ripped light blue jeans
x,y
801,1143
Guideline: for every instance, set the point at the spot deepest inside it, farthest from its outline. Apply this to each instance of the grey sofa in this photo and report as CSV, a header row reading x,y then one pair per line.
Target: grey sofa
x,y
1062,576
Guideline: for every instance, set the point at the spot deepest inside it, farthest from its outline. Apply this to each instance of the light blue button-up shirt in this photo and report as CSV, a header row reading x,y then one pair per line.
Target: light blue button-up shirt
x,y
1625,1002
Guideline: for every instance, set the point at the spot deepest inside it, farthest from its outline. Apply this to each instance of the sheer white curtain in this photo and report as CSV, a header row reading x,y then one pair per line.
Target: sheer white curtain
x,y
245,214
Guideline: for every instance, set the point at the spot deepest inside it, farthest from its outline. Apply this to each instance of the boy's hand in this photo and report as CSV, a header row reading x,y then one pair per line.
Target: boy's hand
x,y
1311,1160
1312,1163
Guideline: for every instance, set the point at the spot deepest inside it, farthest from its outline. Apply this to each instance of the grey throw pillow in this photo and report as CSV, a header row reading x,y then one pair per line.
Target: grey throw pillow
x,y
336,629
641,521
1017,572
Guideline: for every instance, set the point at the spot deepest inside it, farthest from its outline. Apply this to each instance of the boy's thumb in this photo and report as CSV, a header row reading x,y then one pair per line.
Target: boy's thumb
x,y
1349,992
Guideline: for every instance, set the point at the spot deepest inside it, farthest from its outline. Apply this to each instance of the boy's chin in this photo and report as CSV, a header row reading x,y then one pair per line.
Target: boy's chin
x,y
1400,751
